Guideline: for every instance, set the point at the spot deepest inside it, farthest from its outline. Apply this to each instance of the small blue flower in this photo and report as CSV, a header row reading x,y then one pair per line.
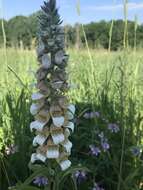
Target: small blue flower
x,y
94,115
113,127
86,115
80,176
105,145
91,115
136,151
95,151
40,181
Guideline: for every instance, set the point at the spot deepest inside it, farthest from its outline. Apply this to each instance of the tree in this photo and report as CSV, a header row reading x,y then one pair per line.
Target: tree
x,y
23,29
19,30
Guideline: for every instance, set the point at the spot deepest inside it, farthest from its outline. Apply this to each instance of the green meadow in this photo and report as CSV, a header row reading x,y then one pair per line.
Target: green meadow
x,y
110,83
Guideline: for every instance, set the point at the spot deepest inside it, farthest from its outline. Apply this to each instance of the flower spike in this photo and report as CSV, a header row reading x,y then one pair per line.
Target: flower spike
x,y
51,108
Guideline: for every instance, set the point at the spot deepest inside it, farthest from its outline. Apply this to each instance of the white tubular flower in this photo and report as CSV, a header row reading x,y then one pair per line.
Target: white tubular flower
x,y
58,121
67,145
41,157
53,153
38,125
59,56
35,157
46,62
65,164
71,108
39,140
58,138
34,109
70,115
70,125
71,111
67,133
37,96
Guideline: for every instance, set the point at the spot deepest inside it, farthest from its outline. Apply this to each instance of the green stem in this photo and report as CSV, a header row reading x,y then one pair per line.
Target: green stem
x,y
111,32
135,33
4,44
125,41
122,103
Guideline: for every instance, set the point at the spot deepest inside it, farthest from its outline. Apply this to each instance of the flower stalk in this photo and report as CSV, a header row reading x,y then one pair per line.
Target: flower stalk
x,y
51,108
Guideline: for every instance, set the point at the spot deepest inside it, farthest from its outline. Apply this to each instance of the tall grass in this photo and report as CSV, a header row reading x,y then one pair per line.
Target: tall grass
x,y
118,81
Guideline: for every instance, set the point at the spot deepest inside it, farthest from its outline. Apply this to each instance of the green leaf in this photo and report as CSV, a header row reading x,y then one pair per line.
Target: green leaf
x,y
43,171
34,167
74,183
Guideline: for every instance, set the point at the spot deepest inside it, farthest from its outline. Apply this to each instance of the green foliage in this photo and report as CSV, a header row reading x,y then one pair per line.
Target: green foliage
x,y
15,116
21,29
111,85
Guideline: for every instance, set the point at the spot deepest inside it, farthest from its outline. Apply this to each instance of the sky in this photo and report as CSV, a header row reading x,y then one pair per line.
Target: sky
x,y
90,10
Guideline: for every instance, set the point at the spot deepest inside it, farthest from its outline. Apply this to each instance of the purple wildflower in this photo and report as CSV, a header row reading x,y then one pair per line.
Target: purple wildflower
x,y
91,115
105,145
94,115
86,115
40,181
80,176
95,151
113,127
136,151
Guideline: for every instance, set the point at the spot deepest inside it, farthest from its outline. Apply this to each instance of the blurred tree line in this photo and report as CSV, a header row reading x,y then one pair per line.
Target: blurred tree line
x,y
21,31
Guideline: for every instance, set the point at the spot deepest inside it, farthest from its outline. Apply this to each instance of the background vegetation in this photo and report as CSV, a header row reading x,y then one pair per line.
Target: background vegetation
x,y
110,84
21,32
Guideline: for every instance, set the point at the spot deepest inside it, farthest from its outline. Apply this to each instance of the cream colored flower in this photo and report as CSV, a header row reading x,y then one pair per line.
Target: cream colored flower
x,y
37,96
58,138
37,125
71,111
41,157
39,140
46,62
65,164
34,109
58,121
35,157
53,153
71,108
70,125
67,145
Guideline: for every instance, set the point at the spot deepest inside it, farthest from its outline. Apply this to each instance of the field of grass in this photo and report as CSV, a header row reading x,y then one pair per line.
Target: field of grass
x,y
88,76
110,83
